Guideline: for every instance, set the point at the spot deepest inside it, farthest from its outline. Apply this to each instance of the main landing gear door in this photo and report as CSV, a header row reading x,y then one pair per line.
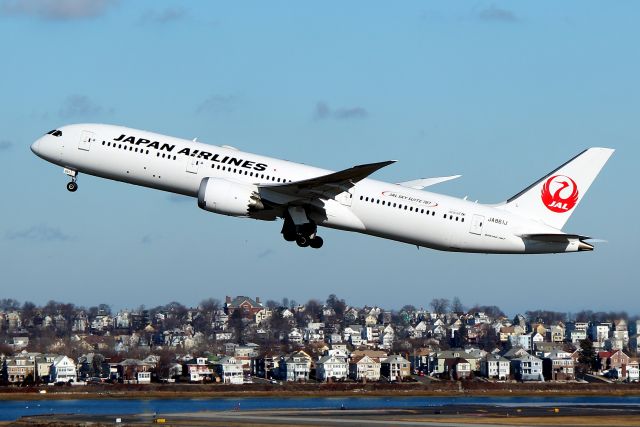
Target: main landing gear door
x,y
86,138
476,224
193,164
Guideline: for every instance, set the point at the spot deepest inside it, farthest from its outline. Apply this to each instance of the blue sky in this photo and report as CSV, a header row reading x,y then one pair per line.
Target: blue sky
x,y
500,92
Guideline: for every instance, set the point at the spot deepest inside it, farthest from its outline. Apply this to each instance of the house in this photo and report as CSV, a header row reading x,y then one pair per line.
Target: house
x,y
506,332
198,369
420,359
558,365
248,306
295,367
262,316
314,332
599,333
474,356
495,366
613,360
20,343
387,337
353,334
524,341
295,337
633,371
63,370
527,368
229,369
134,371
20,367
332,366
537,338
420,330
266,364
395,368
364,368
577,331
92,365
43,366
556,333
244,353
458,368
543,349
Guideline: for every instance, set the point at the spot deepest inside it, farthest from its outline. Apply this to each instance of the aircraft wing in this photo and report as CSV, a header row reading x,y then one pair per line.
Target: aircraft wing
x,y
419,184
325,186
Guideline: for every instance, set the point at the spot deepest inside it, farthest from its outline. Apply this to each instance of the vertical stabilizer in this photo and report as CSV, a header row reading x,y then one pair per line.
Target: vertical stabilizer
x,y
553,198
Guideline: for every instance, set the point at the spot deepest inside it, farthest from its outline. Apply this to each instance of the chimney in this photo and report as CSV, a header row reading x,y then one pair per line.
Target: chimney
x,y
258,300
228,300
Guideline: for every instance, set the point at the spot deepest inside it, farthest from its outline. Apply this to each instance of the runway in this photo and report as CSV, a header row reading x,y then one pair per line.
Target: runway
x,y
449,415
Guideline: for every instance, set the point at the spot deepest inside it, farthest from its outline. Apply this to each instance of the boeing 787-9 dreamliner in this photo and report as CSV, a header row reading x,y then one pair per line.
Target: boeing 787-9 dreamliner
x,y
227,181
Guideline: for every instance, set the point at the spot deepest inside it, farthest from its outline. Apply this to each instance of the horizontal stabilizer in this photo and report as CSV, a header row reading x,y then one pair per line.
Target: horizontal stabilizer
x,y
558,238
561,238
419,184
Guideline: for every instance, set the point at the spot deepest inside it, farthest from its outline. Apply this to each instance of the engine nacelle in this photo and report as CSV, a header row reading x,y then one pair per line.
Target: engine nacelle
x,y
228,198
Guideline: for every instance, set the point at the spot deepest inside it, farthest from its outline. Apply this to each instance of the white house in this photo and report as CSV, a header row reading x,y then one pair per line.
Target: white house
x,y
230,370
295,367
524,341
364,368
295,337
199,369
331,366
387,337
63,369
495,366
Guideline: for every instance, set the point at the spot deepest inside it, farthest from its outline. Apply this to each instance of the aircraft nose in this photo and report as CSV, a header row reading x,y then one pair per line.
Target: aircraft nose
x,y
35,146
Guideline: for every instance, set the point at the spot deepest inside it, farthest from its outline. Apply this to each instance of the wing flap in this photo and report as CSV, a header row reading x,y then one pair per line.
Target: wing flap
x,y
419,184
326,186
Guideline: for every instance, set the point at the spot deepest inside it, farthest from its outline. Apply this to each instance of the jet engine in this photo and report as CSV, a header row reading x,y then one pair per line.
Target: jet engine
x,y
228,197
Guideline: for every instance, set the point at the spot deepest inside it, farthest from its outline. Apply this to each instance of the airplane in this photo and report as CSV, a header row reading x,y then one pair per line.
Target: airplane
x,y
227,181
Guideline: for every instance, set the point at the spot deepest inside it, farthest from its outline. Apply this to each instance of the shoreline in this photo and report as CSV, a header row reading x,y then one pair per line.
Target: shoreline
x,y
315,391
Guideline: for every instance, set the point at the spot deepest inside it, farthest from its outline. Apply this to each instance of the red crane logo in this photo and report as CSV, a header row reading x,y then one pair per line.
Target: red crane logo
x,y
564,196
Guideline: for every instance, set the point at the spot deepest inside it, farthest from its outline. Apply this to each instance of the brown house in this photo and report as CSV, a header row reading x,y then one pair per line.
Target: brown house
x,y
248,306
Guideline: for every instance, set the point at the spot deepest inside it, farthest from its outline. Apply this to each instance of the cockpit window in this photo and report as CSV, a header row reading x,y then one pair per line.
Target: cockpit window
x,y
55,132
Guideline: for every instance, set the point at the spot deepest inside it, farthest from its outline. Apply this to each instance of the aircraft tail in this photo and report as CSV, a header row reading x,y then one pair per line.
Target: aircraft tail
x,y
553,198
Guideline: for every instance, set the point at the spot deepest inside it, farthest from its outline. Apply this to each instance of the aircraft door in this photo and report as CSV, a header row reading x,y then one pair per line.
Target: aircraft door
x,y
476,224
193,164
86,138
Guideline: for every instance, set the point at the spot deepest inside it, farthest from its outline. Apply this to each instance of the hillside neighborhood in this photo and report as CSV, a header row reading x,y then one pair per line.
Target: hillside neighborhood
x,y
243,340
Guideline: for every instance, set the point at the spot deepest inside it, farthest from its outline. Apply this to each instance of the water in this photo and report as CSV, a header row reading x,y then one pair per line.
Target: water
x,y
12,410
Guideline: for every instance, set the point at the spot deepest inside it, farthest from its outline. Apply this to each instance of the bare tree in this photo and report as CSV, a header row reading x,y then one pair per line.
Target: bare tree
x,y
313,309
236,323
9,304
456,306
338,305
271,304
439,305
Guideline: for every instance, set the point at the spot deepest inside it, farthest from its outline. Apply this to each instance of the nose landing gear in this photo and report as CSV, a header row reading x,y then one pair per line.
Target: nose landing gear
x,y
73,185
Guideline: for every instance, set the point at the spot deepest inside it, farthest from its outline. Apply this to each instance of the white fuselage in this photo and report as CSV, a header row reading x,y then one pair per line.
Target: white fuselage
x,y
372,207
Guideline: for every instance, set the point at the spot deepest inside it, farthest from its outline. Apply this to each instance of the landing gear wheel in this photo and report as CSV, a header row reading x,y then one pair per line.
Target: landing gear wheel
x,y
303,241
72,186
316,242
289,237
